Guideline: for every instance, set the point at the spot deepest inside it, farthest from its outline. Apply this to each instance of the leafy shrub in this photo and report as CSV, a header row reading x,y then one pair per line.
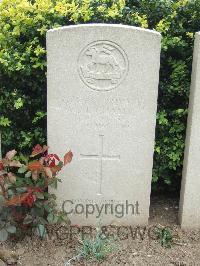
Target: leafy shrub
x,y
97,247
23,25
25,203
165,237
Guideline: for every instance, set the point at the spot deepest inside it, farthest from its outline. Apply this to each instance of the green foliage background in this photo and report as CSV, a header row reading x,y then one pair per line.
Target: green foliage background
x,y
23,25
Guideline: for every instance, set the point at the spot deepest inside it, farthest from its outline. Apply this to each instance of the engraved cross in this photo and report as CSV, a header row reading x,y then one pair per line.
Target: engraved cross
x,y
101,157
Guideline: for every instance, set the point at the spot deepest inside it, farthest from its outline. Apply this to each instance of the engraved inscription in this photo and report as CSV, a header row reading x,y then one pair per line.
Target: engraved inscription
x,y
102,65
101,157
117,105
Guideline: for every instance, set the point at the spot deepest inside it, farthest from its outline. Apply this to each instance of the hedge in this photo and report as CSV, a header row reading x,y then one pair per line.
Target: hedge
x,y
23,25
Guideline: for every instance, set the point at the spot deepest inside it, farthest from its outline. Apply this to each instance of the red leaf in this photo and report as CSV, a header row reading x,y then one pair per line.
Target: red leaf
x,y
15,164
34,189
48,172
10,154
1,165
29,200
50,159
5,162
55,169
68,157
53,156
35,175
11,178
35,165
2,172
45,148
36,150
17,200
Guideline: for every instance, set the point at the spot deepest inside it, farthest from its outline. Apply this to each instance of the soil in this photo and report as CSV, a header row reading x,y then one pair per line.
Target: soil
x,y
142,250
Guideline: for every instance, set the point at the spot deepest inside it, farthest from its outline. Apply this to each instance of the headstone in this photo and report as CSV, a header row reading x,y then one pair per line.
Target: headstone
x,y
189,207
102,100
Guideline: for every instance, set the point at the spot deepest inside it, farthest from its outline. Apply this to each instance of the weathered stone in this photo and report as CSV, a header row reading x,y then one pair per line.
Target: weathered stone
x,y
2,263
189,207
102,100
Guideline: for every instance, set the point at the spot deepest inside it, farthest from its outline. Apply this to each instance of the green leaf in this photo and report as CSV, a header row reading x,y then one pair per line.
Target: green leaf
x,y
54,183
21,189
41,220
3,235
41,230
157,149
39,116
11,229
51,218
154,178
28,174
47,208
18,103
39,204
2,224
22,170
4,121
60,164
10,193
46,195
38,210
28,219
39,195
2,200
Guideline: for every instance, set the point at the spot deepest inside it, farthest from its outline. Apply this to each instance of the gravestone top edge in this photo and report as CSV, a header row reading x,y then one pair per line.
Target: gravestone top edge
x,y
101,25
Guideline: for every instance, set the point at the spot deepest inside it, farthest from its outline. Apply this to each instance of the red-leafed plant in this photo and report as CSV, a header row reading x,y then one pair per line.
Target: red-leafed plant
x,y
25,203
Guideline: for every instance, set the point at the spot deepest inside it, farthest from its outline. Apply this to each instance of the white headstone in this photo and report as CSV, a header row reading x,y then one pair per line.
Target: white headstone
x,y
189,207
102,100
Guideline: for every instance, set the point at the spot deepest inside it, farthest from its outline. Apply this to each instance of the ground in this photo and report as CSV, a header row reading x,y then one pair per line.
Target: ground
x,y
144,250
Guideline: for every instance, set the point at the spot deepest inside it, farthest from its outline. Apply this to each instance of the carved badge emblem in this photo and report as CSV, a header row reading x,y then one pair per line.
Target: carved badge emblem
x,y
102,65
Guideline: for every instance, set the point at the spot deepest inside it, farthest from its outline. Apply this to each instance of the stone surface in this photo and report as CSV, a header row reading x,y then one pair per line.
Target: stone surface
x,y
189,207
102,100
1,262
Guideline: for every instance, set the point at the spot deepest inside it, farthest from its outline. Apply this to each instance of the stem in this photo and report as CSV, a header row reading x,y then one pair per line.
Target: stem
x,y
4,191
46,183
